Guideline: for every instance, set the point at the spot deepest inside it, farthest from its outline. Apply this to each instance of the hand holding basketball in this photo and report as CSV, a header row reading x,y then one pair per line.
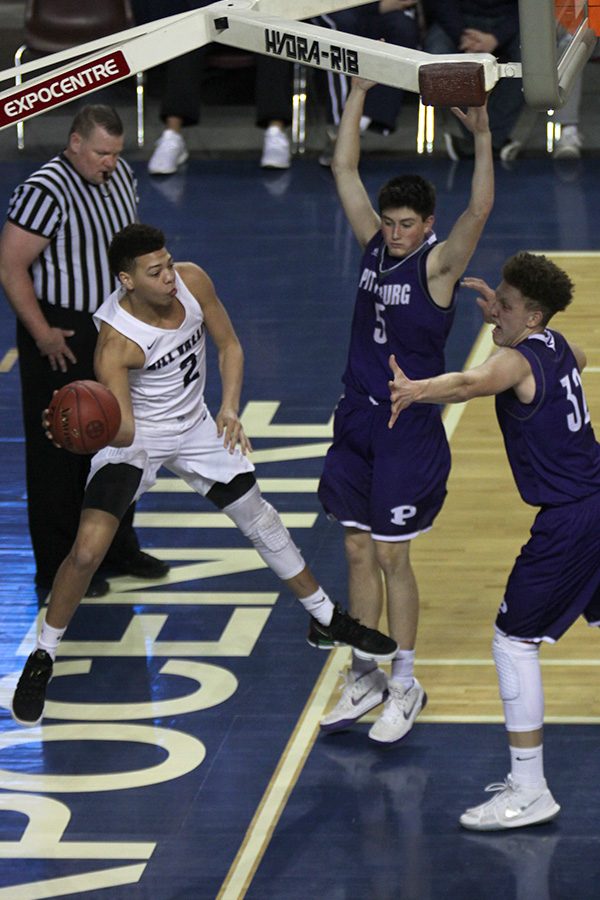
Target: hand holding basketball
x,y
83,417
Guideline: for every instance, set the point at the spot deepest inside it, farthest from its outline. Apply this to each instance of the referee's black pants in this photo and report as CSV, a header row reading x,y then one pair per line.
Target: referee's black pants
x,y
56,478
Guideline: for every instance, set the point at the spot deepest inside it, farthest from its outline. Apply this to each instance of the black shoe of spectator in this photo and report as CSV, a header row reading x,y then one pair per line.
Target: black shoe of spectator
x,y
98,586
140,565
458,147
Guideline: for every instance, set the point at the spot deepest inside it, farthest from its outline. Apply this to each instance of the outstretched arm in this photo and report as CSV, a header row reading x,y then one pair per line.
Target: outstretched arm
x,y
505,369
363,219
449,259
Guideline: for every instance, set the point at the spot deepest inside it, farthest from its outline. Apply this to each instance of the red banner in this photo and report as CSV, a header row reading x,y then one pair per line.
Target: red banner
x,y
57,89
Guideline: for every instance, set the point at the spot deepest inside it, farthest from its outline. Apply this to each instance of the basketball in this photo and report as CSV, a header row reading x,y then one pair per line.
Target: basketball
x,y
84,416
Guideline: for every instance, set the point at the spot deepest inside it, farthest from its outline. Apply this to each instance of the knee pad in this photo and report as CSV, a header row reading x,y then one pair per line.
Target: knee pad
x,y
519,682
262,524
112,488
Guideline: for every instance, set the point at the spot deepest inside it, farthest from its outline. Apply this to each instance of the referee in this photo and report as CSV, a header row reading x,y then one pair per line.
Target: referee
x,y
55,273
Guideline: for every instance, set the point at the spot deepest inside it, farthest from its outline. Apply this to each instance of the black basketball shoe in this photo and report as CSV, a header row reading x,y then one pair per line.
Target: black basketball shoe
x,y
30,694
367,643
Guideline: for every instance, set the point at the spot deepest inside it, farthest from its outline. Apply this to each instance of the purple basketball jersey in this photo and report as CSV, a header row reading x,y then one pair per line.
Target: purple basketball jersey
x,y
395,313
550,443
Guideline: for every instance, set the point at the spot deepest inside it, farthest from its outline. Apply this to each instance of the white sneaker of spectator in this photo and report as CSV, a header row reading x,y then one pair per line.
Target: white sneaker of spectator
x,y
568,146
276,149
170,152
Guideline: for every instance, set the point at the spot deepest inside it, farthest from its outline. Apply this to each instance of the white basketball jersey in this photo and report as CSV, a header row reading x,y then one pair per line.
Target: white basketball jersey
x,y
171,383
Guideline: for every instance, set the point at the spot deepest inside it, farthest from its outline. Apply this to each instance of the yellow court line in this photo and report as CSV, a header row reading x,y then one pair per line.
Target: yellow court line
x,y
479,353
303,737
499,720
8,360
288,770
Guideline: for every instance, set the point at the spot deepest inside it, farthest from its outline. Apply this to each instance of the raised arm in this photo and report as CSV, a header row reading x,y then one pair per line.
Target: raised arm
x,y
230,354
363,219
449,259
18,250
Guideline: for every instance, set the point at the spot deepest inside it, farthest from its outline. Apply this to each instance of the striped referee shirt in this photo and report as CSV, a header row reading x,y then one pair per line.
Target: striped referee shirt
x,y
79,219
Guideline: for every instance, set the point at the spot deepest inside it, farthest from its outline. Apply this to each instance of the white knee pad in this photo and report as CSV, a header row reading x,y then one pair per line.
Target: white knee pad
x,y
520,683
263,526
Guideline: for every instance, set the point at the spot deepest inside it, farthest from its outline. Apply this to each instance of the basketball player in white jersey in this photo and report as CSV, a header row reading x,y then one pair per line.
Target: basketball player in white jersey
x,y
151,353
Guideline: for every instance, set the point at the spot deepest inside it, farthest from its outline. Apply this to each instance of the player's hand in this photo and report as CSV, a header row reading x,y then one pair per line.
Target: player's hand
x,y
231,429
475,119
362,84
400,391
46,424
486,299
55,347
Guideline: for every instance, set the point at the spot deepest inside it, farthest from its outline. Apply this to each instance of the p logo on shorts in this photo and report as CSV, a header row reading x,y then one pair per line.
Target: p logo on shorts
x,y
401,513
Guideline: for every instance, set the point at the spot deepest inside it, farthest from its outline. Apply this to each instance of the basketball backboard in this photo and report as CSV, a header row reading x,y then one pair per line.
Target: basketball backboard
x,y
556,42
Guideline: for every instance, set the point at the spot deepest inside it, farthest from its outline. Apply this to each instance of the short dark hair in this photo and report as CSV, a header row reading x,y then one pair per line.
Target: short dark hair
x,y
543,284
408,190
97,115
129,243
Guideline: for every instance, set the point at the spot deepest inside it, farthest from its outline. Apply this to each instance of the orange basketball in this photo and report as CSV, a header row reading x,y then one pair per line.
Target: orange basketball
x,y
84,416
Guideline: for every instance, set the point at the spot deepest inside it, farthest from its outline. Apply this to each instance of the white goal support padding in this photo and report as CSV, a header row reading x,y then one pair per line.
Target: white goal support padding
x,y
259,26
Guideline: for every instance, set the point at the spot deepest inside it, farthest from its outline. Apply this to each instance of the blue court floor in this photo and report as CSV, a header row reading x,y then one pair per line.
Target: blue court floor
x,y
179,759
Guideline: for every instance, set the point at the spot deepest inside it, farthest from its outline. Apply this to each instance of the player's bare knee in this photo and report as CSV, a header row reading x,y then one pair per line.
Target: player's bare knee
x,y
393,557
359,548
85,557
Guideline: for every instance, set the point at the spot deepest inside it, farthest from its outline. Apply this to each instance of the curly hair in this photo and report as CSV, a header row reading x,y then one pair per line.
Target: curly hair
x,y
411,191
542,283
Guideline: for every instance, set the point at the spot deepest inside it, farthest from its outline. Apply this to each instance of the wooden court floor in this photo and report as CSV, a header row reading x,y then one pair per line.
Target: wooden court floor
x,y
464,562
181,757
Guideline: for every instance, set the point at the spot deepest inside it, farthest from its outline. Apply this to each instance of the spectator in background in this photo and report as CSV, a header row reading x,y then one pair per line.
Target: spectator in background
x,y
480,26
180,103
568,145
395,21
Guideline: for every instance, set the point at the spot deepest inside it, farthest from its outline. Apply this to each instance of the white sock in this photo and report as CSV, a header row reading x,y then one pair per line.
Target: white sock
x,y
362,666
527,766
49,639
319,606
403,665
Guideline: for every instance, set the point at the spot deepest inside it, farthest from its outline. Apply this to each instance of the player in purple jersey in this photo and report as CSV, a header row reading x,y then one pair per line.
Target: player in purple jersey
x,y
555,459
386,487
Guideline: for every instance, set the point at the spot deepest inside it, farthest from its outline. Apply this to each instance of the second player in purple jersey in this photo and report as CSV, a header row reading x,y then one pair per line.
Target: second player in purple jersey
x,y
387,488
555,459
